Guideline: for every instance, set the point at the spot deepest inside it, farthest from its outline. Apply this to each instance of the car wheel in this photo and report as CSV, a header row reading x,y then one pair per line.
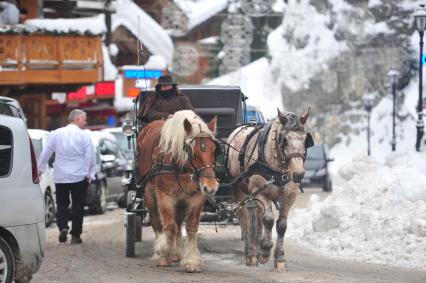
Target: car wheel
x,y
49,205
328,187
7,263
101,201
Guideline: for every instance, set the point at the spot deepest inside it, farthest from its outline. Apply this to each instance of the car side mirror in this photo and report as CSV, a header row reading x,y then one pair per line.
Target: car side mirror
x,y
329,159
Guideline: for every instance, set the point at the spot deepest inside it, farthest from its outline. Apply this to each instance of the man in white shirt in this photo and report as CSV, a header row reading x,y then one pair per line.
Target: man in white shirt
x,y
74,159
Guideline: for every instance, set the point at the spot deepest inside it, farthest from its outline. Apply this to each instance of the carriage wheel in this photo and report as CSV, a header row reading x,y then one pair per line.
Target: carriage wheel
x,y
138,229
130,235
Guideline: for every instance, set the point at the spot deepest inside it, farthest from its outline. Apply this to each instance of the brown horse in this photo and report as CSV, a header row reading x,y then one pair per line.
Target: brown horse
x,y
179,157
280,149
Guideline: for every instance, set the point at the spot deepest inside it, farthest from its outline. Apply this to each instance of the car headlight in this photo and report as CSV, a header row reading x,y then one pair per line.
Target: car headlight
x,y
127,127
320,172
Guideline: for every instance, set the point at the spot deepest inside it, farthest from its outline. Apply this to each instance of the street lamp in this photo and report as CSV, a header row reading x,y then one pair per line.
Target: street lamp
x,y
368,102
420,21
393,77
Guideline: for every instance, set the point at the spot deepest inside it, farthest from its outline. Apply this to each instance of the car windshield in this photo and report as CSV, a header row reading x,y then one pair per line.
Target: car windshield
x,y
37,147
121,141
315,153
250,114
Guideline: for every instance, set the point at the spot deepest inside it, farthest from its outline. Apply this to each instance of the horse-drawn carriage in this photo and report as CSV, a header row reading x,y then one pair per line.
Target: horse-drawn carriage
x,y
178,163
227,103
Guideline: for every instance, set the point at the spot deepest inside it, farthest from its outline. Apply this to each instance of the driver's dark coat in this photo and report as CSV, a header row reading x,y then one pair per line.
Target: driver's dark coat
x,y
160,107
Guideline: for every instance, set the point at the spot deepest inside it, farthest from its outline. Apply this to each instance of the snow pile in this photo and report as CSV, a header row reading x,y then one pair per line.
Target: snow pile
x,y
301,45
254,80
377,215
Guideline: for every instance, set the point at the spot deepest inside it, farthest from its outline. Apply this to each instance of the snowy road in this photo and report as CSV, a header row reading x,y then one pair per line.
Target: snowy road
x,y
101,259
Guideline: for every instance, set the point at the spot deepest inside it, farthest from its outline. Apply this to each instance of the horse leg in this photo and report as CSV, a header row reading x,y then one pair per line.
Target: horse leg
x,y
287,198
166,241
266,242
176,254
154,215
192,260
246,222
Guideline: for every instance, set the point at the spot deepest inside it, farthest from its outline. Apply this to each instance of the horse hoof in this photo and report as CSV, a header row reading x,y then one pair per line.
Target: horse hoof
x,y
280,265
251,260
174,258
263,260
163,262
192,269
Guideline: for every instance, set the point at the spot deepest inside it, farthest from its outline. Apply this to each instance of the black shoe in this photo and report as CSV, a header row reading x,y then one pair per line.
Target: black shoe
x,y
63,235
75,240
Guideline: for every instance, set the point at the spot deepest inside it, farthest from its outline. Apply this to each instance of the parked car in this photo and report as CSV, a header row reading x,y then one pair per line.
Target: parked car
x,y
111,165
316,168
47,184
11,107
121,140
22,224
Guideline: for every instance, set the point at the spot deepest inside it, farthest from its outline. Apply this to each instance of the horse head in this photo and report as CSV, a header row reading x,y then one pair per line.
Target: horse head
x,y
292,143
202,151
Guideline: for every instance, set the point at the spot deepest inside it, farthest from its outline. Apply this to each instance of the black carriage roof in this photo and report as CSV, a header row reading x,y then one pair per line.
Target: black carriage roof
x,y
225,102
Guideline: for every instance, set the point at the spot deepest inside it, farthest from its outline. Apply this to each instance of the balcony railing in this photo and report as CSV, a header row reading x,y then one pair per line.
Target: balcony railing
x,y
50,59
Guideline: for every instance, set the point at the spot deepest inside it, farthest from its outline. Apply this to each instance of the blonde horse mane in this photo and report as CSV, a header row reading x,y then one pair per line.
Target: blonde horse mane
x,y
174,137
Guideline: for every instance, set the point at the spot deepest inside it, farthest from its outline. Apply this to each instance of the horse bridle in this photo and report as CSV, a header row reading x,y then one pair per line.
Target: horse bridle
x,y
285,159
198,172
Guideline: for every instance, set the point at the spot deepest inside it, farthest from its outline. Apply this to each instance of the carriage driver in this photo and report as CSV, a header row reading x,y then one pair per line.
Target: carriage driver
x,y
165,102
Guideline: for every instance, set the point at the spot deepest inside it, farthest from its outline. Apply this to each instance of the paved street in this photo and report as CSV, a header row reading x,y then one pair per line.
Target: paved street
x,y
101,259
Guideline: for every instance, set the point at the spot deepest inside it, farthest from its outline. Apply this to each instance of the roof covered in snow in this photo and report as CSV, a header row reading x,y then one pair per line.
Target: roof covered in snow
x,y
129,15
151,34
199,11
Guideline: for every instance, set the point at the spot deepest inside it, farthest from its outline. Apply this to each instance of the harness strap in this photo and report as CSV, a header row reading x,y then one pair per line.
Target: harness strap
x,y
262,141
242,155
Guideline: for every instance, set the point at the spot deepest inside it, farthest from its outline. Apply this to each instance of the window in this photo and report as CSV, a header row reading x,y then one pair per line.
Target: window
x,y
108,147
5,151
38,147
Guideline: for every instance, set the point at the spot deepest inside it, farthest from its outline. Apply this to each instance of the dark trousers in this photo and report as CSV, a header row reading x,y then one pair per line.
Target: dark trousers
x,y
78,195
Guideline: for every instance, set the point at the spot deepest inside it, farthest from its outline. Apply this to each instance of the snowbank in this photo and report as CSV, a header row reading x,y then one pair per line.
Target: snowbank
x,y
378,214
254,81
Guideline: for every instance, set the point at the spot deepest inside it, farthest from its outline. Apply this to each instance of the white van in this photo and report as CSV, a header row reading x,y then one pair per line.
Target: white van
x,y
22,225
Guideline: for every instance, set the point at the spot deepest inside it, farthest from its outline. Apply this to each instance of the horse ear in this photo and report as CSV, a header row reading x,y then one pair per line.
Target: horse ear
x,y
305,116
187,126
282,118
212,125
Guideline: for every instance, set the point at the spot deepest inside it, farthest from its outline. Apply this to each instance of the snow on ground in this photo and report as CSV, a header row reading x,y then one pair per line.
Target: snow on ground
x,y
254,80
378,214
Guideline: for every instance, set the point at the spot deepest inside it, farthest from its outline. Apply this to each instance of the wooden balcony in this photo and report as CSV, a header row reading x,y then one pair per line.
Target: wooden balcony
x,y
37,59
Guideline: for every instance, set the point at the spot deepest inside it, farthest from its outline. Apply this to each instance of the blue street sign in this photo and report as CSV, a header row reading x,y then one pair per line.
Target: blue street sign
x,y
111,121
424,60
142,74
